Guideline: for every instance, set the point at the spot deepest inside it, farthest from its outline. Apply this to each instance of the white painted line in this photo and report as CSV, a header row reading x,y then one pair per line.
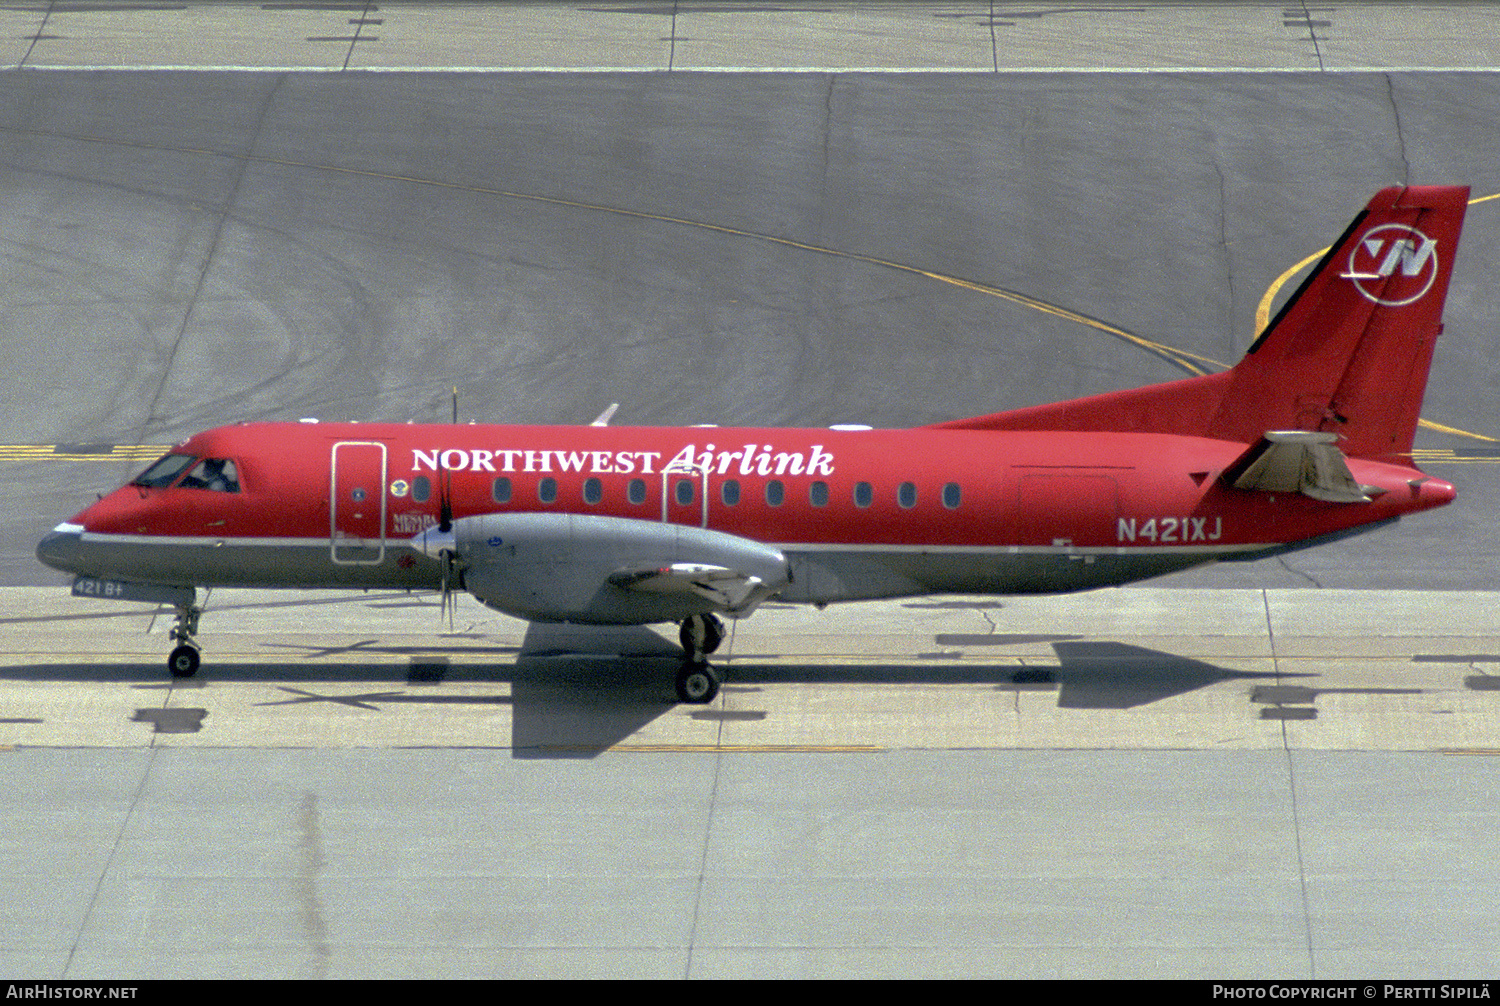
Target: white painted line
x,y
976,70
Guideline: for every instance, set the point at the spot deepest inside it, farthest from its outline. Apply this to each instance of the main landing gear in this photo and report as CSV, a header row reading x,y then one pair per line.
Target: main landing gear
x,y
183,661
697,682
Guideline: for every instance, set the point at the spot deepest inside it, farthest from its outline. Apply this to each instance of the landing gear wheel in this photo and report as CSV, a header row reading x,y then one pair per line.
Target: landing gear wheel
x,y
697,683
701,635
183,661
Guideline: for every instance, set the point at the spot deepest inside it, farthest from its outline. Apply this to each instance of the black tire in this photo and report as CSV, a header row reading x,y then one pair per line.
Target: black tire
x,y
697,684
714,633
701,635
183,661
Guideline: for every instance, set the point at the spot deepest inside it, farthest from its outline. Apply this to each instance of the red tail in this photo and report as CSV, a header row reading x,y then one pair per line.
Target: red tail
x,y
1348,354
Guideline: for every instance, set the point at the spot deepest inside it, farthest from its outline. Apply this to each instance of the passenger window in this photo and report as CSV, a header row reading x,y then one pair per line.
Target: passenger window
x,y
775,492
683,492
164,472
636,491
500,490
421,489
593,491
729,492
546,490
952,496
215,474
864,494
817,494
907,495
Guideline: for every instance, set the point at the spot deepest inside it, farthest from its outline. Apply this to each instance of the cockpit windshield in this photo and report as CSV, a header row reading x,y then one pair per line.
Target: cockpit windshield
x,y
164,472
215,474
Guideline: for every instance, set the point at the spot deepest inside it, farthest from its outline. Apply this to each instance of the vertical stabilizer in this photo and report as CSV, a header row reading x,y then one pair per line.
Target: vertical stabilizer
x,y
1349,352
1347,355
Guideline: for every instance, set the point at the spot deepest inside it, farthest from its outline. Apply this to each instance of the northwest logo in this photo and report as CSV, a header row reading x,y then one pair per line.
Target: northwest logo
x,y
1393,264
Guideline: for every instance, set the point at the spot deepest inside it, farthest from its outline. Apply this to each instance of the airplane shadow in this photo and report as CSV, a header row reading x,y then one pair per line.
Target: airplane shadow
x,y
576,691
1089,675
580,689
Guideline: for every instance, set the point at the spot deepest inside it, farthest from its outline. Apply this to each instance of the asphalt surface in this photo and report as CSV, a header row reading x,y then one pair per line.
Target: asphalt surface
x,y
187,250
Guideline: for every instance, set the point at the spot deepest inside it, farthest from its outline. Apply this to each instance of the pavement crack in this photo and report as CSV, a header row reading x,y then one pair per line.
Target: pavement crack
x,y
827,131
359,26
1224,242
672,40
1390,90
1291,776
994,41
1312,33
41,32
85,924
1297,572
241,164
708,832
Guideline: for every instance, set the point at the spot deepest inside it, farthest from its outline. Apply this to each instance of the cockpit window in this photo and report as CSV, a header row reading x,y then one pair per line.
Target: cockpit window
x,y
164,472
217,474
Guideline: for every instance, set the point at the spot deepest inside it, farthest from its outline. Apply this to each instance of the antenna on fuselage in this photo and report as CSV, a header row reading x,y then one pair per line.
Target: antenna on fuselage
x,y
455,405
604,417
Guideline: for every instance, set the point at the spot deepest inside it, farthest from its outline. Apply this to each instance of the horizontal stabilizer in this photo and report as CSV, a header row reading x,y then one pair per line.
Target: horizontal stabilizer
x,y
1301,461
733,592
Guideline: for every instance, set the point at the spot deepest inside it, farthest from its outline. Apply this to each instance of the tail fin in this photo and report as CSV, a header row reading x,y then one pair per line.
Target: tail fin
x,y
1348,354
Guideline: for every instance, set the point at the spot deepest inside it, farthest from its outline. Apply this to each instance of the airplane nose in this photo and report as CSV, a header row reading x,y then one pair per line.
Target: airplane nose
x,y
62,548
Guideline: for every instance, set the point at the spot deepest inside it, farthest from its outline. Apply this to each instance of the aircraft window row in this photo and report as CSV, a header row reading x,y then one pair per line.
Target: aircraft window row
x,y
685,491
214,474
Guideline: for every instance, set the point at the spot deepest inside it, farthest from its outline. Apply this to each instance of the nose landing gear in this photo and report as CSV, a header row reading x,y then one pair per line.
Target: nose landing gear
x,y
697,682
183,661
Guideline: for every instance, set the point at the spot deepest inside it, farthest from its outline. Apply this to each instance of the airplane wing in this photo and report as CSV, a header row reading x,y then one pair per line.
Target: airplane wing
x,y
1297,461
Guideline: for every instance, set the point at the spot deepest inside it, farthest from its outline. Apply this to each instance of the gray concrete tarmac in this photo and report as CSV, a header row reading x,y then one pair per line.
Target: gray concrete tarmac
x,y
1099,785
1278,781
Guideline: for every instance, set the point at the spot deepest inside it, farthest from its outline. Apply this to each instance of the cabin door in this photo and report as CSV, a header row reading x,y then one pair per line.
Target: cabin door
x,y
1067,511
356,503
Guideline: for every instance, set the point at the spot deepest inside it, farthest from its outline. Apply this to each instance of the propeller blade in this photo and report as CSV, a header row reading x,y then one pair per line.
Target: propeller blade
x,y
448,602
445,502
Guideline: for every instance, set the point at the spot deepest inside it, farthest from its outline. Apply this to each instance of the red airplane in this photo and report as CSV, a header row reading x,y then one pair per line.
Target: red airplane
x,y
1306,440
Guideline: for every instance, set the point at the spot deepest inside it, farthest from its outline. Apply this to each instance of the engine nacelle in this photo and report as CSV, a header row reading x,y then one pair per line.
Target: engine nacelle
x,y
554,567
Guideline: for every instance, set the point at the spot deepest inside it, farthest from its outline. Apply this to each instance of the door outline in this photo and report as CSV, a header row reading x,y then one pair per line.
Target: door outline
x,y
1058,499
336,538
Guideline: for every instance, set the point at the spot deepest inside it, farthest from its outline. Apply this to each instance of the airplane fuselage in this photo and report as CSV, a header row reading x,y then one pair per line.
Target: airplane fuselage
x,y
858,513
